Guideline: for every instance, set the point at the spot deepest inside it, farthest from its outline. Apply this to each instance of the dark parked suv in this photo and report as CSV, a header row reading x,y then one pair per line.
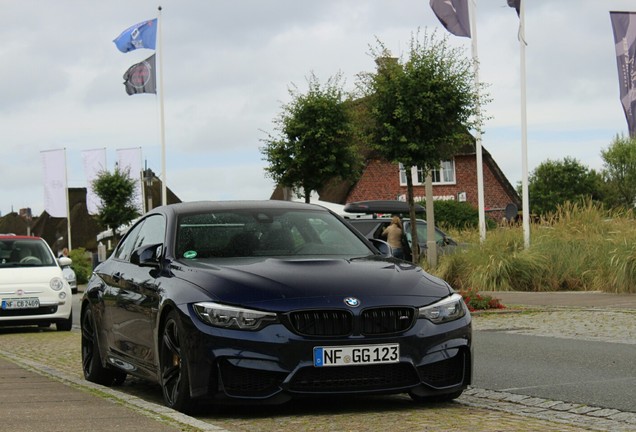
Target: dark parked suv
x,y
372,217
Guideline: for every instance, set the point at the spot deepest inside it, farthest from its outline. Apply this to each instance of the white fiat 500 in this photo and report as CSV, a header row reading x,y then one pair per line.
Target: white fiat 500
x,y
33,289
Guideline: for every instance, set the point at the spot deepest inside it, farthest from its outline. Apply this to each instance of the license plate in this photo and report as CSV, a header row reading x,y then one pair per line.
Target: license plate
x,y
21,303
352,355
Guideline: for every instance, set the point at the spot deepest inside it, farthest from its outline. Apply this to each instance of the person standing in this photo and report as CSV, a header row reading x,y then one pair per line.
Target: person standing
x,y
393,234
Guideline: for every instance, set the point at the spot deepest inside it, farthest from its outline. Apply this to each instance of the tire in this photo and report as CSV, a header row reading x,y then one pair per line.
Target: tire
x,y
436,399
175,383
94,370
65,324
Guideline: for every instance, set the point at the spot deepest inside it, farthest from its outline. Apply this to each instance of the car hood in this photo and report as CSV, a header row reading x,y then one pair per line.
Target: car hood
x,y
15,277
283,284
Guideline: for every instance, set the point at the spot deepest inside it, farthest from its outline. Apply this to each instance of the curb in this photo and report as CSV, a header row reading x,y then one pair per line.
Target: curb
x,y
586,416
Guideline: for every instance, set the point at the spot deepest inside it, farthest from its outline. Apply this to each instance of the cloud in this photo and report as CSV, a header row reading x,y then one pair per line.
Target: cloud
x,y
227,67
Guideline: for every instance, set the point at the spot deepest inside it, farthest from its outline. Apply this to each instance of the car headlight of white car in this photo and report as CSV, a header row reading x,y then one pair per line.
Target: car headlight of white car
x,y
230,317
448,309
56,284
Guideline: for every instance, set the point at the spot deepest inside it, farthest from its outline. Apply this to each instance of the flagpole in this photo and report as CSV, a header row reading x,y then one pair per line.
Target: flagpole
x,y
68,204
164,180
480,167
524,129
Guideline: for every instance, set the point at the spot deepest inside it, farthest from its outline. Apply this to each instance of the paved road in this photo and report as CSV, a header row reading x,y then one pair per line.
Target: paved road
x,y
77,298
571,370
56,355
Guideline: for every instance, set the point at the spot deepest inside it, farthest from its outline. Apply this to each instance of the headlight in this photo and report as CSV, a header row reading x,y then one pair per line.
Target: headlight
x,y
448,309
231,317
56,284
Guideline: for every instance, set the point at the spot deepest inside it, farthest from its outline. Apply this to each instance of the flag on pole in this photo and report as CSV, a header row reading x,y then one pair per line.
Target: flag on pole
x,y
140,35
141,77
129,161
453,14
624,27
94,163
515,4
55,196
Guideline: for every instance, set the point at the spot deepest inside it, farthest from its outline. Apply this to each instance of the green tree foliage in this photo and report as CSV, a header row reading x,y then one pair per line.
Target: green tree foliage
x,y
117,193
315,142
423,106
554,183
619,171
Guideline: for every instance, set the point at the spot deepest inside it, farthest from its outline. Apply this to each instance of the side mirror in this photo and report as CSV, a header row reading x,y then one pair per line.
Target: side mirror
x,y
64,261
147,256
383,247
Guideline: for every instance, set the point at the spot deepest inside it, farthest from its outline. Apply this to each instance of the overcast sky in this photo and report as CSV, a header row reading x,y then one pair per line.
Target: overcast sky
x,y
228,65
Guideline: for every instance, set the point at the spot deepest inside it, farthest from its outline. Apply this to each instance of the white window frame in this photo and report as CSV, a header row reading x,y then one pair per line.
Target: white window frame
x,y
444,175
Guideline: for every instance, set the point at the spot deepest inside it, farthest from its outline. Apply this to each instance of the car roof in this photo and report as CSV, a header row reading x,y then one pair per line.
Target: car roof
x,y
381,206
18,237
200,206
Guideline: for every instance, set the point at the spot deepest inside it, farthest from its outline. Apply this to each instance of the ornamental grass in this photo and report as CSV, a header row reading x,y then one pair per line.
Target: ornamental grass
x,y
580,247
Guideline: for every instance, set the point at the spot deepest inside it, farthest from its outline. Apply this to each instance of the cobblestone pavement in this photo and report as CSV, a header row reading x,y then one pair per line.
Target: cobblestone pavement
x,y
608,325
57,354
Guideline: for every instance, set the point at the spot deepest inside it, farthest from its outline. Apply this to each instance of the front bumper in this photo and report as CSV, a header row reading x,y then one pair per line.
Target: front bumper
x,y
54,306
274,365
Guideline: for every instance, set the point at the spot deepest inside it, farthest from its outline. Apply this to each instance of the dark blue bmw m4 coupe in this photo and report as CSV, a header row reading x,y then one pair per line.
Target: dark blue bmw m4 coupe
x,y
265,301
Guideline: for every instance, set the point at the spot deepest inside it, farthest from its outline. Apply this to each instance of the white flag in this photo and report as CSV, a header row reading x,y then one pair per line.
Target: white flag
x,y
55,196
129,160
94,163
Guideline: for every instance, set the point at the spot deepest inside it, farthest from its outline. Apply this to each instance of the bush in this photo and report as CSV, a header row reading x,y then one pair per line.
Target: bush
x,y
82,265
453,214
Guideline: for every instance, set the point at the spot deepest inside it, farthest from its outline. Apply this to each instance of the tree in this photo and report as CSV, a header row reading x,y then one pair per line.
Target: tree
x,y
423,106
316,140
553,183
116,191
620,170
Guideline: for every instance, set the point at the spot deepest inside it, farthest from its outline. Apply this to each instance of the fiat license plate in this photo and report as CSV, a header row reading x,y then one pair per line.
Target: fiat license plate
x,y
21,303
351,355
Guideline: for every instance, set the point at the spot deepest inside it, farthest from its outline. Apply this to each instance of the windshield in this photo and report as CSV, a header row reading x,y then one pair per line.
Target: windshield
x,y
25,253
254,233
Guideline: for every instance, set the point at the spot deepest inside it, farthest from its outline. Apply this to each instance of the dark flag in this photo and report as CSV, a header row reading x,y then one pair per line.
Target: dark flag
x,y
453,14
141,77
515,4
624,27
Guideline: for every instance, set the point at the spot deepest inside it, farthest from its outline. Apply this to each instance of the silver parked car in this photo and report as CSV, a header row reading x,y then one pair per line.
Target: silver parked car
x,y
69,273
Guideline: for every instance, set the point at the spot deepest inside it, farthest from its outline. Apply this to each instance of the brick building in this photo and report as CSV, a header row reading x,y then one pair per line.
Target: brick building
x,y
455,180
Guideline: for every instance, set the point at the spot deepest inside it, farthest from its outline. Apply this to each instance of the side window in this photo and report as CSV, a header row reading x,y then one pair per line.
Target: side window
x,y
152,232
126,246
422,233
